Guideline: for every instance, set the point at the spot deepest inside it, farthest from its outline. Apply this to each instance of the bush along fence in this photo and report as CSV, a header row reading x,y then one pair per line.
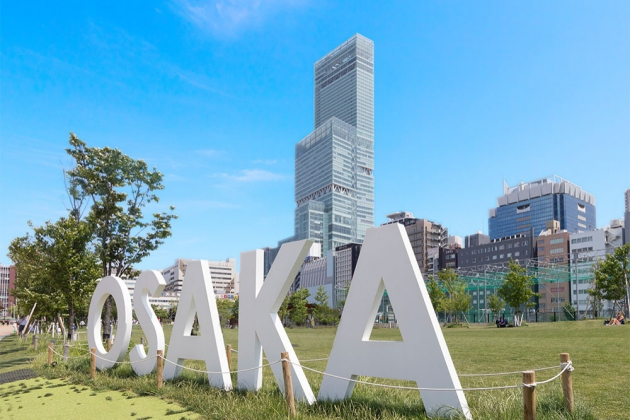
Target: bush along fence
x,y
528,384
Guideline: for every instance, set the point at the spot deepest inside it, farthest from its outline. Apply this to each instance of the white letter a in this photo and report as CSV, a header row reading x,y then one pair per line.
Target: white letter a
x,y
198,297
387,261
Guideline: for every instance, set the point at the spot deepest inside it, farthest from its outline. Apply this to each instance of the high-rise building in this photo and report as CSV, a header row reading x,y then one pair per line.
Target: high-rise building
x,y
530,205
586,248
423,235
346,258
476,239
7,283
223,273
499,251
627,219
334,182
552,249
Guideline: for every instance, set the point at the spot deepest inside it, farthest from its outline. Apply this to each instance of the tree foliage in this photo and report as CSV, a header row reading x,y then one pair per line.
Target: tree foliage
x,y
454,299
323,313
225,308
611,275
436,293
118,189
517,290
235,309
160,312
56,267
495,304
297,306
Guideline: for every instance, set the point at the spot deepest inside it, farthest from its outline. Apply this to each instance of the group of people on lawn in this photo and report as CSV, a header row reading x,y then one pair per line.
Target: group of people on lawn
x,y
619,319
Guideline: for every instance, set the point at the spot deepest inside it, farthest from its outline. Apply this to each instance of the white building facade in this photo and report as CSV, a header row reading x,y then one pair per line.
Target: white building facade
x,y
586,249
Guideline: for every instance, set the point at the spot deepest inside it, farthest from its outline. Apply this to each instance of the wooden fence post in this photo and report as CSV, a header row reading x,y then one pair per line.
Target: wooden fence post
x,y
93,363
160,368
66,351
288,383
142,341
567,383
529,395
228,351
50,353
109,344
34,342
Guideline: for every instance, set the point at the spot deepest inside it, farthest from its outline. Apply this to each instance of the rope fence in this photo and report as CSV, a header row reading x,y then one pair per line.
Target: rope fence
x,y
568,367
528,384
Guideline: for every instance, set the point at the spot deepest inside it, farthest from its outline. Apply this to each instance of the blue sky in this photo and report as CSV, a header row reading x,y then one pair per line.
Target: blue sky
x,y
215,94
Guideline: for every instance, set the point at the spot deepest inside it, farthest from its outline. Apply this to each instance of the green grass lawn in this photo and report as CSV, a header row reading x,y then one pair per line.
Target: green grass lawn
x,y
54,399
601,356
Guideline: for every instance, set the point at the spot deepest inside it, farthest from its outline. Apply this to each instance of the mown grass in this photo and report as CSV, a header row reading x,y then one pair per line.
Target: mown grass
x,y
30,399
600,354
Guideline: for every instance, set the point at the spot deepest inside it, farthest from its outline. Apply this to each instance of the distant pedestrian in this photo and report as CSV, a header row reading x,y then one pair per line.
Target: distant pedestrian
x,y
22,325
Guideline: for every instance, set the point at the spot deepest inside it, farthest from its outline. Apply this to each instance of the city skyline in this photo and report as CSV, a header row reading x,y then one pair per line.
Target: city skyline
x,y
466,96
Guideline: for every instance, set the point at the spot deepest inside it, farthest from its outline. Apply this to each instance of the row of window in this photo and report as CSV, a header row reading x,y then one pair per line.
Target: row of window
x,y
583,239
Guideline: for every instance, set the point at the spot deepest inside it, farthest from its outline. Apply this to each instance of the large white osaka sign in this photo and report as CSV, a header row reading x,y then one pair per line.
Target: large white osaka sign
x,y
386,262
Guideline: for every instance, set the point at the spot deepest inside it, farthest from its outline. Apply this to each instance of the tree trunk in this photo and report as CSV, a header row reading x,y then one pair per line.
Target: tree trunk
x,y
70,331
107,327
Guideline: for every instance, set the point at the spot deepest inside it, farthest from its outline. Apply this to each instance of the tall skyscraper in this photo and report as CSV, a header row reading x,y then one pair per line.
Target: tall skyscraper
x,y
530,205
626,218
334,181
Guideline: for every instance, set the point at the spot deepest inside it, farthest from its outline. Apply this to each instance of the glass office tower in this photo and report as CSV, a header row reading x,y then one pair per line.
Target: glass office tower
x,y
334,182
531,205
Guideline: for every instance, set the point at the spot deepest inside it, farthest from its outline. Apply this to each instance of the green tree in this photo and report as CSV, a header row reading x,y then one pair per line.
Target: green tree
x,y
455,297
323,313
118,188
160,312
569,310
56,267
495,304
611,276
436,293
297,304
172,312
224,306
235,309
517,290
283,311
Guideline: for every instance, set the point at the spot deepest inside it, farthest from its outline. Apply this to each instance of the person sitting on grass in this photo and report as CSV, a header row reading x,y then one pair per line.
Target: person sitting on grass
x,y
617,320
501,323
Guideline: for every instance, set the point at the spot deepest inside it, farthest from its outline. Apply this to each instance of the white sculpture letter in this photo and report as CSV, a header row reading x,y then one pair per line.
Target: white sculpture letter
x,y
198,297
387,261
150,283
259,324
115,287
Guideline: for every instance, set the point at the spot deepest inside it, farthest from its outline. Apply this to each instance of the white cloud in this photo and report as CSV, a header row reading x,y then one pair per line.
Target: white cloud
x,y
226,17
253,175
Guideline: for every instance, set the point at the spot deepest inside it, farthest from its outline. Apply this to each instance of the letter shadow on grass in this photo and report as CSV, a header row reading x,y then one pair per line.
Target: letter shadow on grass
x,y
10,350
377,409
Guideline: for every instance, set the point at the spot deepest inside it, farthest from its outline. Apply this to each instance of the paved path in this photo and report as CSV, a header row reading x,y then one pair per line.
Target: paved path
x,y
5,330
